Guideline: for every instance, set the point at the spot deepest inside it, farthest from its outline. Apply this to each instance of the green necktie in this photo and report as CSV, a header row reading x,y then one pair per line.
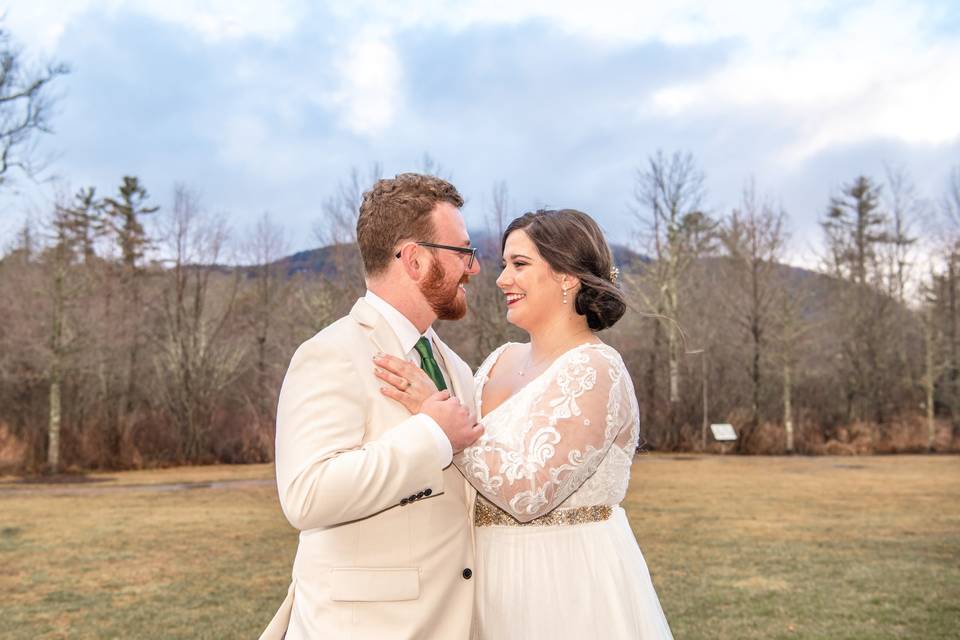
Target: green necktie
x,y
429,364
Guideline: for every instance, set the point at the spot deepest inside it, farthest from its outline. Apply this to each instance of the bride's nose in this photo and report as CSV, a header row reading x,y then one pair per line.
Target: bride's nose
x,y
503,279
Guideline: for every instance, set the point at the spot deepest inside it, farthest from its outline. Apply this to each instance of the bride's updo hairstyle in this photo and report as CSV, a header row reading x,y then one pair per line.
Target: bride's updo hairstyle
x,y
572,243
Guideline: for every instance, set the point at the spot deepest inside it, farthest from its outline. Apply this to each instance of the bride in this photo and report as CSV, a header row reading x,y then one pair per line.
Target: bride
x,y
555,555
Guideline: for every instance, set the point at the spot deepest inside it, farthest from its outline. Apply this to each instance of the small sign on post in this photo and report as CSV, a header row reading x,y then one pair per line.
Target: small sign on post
x,y
723,432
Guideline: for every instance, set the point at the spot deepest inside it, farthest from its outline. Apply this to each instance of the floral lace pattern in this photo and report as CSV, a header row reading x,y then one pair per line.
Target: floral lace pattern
x,y
566,439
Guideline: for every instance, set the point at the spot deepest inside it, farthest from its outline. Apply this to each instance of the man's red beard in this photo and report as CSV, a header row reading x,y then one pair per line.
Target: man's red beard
x,y
444,298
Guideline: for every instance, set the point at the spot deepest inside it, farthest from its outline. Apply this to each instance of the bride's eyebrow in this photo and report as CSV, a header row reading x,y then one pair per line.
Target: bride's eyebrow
x,y
518,255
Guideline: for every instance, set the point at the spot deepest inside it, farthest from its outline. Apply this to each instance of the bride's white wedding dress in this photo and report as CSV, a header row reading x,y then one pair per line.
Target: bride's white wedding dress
x,y
555,555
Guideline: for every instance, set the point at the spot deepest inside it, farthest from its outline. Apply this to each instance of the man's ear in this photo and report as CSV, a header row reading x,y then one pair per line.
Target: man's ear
x,y
413,262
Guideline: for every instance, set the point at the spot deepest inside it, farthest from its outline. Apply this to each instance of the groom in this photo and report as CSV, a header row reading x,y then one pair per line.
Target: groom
x,y
385,518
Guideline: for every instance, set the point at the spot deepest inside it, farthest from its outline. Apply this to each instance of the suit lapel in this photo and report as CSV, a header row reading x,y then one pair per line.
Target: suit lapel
x,y
381,335
383,339
464,391
460,389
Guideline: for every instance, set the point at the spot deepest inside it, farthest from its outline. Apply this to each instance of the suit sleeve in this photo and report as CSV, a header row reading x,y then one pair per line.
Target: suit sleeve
x,y
326,474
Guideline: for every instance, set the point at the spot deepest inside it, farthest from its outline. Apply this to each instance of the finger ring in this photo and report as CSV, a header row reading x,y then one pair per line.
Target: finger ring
x,y
406,384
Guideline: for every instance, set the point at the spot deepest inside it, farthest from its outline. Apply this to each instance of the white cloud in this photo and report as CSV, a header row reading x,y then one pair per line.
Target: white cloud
x,y
41,23
227,19
370,91
837,72
877,72
679,22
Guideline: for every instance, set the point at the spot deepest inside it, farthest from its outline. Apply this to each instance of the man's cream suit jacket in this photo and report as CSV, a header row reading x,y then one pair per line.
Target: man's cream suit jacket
x,y
386,545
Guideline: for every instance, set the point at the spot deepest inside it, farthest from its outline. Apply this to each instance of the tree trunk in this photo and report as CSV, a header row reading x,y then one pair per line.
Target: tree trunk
x,y
954,392
651,378
56,364
788,406
928,379
53,426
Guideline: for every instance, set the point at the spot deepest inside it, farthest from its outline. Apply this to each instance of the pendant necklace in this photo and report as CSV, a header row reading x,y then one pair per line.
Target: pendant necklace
x,y
526,367
523,371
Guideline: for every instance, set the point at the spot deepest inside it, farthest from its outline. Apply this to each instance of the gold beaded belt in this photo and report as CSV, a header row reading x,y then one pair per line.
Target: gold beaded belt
x,y
488,515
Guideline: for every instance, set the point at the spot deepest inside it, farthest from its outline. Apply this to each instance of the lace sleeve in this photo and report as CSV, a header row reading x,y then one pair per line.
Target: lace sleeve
x,y
555,440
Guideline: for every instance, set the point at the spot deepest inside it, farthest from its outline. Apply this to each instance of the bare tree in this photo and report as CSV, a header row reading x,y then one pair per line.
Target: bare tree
x,y
791,331
499,209
905,209
337,229
340,210
265,247
753,236
950,204
60,259
934,361
195,360
25,107
669,196
945,291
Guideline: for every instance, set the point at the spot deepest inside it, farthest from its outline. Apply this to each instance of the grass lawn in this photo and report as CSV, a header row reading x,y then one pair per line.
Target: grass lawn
x,y
739,548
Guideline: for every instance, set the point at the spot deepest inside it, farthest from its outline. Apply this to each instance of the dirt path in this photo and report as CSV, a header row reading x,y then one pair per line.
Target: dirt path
x,y
67,489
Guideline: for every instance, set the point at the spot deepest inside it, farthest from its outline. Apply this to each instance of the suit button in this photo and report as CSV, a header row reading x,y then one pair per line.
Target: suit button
x,y
403,501
427,492
467,574
421,494
412,498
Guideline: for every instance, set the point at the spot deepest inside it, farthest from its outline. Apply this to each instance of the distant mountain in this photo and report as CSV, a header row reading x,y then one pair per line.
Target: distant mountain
x,y
330,261
335,260
327,261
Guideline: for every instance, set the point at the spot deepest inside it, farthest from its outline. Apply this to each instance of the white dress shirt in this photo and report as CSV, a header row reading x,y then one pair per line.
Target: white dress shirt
x,y
408,336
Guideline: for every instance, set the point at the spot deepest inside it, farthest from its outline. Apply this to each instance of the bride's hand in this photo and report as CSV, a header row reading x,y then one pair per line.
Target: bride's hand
x,y
407,383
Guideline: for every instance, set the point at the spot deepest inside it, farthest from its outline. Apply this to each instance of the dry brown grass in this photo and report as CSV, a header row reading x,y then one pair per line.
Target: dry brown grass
x,y
827,547
738,548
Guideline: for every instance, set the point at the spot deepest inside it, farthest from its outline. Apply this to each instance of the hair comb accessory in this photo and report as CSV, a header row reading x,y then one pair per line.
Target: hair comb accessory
x,y
614,274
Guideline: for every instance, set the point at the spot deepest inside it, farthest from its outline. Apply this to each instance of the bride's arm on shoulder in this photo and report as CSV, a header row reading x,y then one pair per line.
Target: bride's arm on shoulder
x,y
557,442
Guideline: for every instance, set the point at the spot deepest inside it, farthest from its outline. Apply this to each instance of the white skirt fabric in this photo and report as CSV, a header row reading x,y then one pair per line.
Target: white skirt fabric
x,y
572,581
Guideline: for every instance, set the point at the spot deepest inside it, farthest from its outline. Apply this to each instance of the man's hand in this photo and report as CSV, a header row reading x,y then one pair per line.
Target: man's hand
x,y
457,423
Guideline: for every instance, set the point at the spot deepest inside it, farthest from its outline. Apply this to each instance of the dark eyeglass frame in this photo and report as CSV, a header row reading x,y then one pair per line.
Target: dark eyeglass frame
x,y
472,251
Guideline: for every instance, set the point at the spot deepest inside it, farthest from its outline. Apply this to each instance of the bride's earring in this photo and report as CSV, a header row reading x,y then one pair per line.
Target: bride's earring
x,y
564,295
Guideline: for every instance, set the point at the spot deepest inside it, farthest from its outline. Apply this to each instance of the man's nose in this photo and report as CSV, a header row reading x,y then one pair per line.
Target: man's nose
x,y
475,267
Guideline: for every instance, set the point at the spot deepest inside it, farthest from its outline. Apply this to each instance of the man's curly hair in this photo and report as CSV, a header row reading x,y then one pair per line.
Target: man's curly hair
x,y
398,209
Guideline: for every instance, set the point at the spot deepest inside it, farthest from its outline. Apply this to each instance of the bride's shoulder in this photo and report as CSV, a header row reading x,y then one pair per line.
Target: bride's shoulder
x,y
597,352
596,356
506,352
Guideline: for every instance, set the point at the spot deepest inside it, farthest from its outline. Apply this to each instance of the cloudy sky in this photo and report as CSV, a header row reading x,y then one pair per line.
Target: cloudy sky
x,y
265,106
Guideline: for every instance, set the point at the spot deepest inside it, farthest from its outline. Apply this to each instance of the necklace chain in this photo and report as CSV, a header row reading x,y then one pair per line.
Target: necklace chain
x,y
529,363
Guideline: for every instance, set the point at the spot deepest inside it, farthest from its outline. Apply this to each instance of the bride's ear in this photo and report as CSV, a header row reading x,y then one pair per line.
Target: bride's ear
x,y
569,282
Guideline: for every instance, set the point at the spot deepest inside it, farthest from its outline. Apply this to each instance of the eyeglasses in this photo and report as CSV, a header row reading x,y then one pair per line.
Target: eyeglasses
x,y
464,251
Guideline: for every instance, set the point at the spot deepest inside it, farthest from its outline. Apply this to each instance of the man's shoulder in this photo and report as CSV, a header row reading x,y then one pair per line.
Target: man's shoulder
x,y
335,336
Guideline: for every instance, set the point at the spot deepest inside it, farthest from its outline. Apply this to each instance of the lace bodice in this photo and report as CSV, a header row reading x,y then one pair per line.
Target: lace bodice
x,y
566,439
